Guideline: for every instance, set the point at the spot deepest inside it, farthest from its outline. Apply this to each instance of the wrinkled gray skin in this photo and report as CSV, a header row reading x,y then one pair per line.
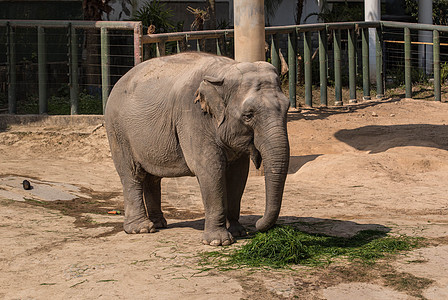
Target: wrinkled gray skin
x,y
195,114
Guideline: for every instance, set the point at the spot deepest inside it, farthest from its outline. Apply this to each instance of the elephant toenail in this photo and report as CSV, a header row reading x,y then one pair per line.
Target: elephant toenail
x,y
153,230
205,242
144,230
215,243
226,243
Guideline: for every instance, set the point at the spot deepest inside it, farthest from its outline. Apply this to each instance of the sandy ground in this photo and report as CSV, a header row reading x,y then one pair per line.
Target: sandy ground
x,y
375,165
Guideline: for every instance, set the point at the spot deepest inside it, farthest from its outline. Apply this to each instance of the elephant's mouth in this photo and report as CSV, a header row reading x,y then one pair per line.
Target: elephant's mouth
x,y
255,156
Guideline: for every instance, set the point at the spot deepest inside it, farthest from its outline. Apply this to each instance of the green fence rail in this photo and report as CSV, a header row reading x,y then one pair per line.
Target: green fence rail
x,y
297,38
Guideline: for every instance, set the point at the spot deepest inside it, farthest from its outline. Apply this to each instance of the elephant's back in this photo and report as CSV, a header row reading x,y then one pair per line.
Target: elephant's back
x,y
159,83
176,66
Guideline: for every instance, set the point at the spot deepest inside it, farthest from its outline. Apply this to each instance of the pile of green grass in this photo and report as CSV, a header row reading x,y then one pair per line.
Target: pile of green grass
x,y
285,245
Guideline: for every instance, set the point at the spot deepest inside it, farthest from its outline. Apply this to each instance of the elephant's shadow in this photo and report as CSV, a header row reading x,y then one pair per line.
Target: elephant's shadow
x,y
329,227
380,138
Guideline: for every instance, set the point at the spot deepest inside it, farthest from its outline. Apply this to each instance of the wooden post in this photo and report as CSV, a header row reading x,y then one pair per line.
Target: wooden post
x,y
249,30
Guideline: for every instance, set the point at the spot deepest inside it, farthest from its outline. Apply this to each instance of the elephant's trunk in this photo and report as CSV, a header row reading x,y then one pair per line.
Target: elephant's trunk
x,y
274,149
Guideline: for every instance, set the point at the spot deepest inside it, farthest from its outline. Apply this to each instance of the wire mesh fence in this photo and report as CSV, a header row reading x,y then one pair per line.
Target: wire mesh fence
x,y
331,62
55,68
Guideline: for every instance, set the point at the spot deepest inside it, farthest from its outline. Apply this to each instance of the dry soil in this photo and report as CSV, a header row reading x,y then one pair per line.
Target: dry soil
x,y
374,165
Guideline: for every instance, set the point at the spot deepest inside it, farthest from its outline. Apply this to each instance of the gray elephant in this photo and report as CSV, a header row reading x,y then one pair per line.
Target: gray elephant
x,y
196,114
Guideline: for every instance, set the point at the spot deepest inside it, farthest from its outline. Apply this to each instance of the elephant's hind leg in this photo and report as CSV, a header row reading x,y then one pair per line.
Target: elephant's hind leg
x,y
132,177
136,219
152,196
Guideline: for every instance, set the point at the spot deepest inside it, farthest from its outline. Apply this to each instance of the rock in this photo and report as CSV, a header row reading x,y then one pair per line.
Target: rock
x,y
26,185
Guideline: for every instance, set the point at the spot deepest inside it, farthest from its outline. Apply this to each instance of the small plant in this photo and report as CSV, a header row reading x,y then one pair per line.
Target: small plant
x,y
156,18
419,75
285,245
89,104
444,72
153,13
60,105
200,16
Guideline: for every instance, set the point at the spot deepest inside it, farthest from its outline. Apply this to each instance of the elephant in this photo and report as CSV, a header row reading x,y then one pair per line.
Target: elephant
x,y
198,114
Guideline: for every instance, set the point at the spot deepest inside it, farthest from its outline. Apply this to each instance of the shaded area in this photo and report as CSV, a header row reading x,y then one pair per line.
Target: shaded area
x,y
67,199
171,212
19,188
78,208
321,113
77,202
296,162
380,138
45,120
328,227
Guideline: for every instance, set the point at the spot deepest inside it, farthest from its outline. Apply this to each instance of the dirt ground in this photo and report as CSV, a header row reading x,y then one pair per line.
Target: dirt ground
x,y
374,165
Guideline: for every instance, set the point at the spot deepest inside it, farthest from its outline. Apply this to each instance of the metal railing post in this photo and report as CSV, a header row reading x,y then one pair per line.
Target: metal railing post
x,y
105,65
292,65
42,70
436,54
138,49
352,65
307,65
157,50
218,48
12,74
379,64
407,62
73,69
275,57
365,64
337,68
323,66
160,49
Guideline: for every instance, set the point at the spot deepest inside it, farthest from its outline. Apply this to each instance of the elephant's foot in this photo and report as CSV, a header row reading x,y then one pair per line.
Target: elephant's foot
x,y
145,226
217,237
236,229
159,222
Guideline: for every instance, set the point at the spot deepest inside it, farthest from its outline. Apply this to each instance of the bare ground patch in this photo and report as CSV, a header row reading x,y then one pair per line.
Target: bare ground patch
x,y
372,165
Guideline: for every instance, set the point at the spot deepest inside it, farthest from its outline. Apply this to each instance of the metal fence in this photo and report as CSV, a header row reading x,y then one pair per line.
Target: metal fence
x,y
65,54
331,38
342,50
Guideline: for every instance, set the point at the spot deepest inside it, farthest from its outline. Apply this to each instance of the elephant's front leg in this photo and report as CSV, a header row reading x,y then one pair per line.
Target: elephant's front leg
x,y
236,178
213,190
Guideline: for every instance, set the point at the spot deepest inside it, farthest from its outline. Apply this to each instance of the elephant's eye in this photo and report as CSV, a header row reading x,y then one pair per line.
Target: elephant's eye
x,y
247,117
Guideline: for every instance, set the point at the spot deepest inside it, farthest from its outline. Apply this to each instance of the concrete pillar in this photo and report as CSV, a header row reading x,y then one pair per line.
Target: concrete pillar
x,y
372,12
425,58
249,30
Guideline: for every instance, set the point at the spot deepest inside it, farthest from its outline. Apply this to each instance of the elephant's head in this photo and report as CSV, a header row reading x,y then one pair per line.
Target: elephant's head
x,y
250,111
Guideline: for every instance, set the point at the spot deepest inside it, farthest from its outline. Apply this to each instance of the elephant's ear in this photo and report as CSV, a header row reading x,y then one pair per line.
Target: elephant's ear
x,y
209,95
